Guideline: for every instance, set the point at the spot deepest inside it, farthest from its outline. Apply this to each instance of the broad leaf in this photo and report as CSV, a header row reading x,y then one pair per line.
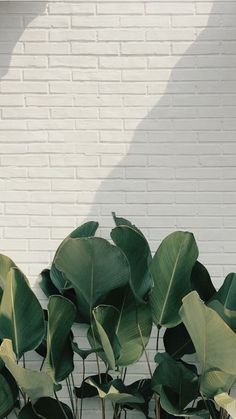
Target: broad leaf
x,y
94,267
116,391
84,353
46,284
177,386
35,384
46,408
88,391
227,402
85,230
21,316
177,341
170,269
201,282
144,388
136,249
120,221
61,315
214,341
214,381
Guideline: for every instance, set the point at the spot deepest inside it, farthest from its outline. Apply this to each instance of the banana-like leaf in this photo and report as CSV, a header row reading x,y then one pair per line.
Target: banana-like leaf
x,y
214,341
21,316
84,353
8,392
177,341
88,391
5,265
59,360
214,381
85,230
136,249
103,333
35,384
144,388
116,391
170,269
227,402
177,386
94,267
120,221
46,408
201,282
46,284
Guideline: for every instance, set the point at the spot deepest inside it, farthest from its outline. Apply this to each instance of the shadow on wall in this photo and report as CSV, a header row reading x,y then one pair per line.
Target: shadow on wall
x,y
176,149
15,16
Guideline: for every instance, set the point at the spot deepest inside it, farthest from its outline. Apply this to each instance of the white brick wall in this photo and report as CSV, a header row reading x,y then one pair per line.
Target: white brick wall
x,y
125,106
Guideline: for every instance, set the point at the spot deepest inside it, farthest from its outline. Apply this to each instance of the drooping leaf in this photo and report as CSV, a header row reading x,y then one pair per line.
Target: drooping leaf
x,y
21,316
214,341
102,333
170,269
46,284
177,386
201,282
59,360
5,265
87,391
46,408
177,341
227,402
116,391
35,384
136,249
94,267
85,230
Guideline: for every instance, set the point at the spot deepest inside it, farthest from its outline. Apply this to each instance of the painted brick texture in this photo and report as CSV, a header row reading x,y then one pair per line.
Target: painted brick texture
x,y
125,106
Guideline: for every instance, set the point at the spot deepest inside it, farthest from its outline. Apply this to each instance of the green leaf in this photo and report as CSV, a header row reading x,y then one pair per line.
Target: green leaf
x,y
170,269
214,341
115,391
8,392
136,249
94,267
21,316
46,284
5,265
46,408
35,384
201,282
120,221
177,386
144,388
88,391
102,333
59,360
84,353
177,341
214,381
227,402
85,230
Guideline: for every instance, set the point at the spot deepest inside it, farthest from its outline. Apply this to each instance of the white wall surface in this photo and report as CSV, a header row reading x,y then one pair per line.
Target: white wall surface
x,y
125,106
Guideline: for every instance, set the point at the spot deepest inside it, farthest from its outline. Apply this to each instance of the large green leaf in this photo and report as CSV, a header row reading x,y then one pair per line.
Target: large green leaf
x,y
21,316
177,386
8,392
177,341
201,282
46,284
214,381
120,221
5,265
85,230
35,384
214,341
116,391
46,408
170,269
94,267
227,402
59,360
136,249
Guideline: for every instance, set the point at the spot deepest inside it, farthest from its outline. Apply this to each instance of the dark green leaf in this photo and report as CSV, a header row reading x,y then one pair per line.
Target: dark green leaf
x,y
46,284
201,282
177,341
46,408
